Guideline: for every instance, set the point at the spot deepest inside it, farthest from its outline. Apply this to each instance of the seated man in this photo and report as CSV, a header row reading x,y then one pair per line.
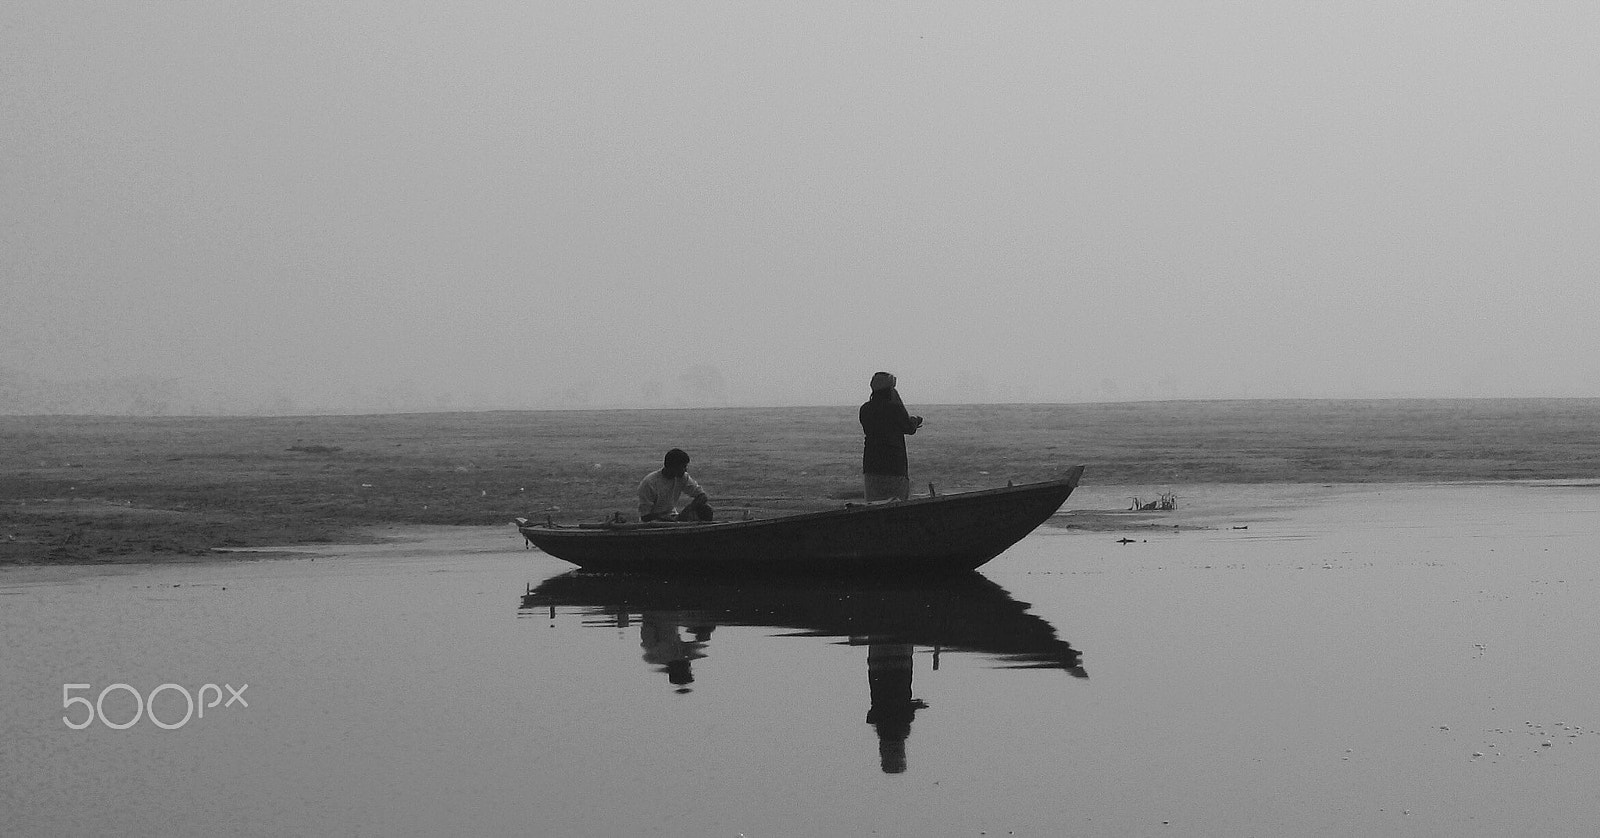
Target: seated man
x,y
659,491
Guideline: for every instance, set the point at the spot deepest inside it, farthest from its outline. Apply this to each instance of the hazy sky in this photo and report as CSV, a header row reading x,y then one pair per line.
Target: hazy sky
x,y
528,204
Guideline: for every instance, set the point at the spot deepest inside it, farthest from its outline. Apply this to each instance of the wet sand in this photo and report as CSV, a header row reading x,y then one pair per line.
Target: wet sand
x,y
1307,660
76,490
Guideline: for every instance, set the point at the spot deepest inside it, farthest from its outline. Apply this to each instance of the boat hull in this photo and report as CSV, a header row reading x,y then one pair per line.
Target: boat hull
x,y
948,534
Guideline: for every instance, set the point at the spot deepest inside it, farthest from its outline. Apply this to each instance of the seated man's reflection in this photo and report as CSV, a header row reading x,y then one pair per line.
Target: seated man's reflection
x,y
889,680
666,648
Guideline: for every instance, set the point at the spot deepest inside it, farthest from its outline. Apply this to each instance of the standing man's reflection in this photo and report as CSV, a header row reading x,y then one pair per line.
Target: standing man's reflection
x,y
663,646
889,679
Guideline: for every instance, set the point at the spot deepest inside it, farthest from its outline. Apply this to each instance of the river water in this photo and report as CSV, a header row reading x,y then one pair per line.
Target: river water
x,y
1401,660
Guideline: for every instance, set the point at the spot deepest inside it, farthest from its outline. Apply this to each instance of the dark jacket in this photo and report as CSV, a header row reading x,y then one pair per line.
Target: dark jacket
x,y
886,423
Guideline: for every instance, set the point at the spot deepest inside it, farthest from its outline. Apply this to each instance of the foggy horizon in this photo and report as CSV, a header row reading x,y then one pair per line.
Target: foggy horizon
x,y
153,398
368,208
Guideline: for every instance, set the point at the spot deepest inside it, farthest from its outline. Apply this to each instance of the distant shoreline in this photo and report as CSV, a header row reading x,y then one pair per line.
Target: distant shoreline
x,y
620,408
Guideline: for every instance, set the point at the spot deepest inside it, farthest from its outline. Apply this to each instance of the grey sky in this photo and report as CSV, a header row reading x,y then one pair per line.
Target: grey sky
x,y
518,204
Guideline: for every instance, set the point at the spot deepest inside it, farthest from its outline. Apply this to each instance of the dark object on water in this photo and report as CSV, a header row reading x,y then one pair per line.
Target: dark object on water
x,y
1167,503
891,617
945,534
953,613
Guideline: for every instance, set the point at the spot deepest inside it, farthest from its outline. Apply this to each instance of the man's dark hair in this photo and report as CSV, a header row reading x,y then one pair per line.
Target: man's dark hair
x,y
676,457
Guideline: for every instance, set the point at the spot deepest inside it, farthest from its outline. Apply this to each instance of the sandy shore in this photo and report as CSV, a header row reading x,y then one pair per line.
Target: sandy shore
x,y
79,490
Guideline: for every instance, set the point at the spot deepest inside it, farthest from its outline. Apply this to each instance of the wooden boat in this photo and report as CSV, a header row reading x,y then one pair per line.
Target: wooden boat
x,y
951,613
935,534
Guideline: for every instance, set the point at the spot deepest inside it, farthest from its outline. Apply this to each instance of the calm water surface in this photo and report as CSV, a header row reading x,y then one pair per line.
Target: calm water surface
x,y
1389,661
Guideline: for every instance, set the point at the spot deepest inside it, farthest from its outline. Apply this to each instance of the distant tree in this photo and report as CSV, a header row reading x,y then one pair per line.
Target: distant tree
x,y
705,383
576,395
11,387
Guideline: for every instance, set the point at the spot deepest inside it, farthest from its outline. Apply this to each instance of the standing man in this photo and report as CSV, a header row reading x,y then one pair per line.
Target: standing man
x,y
660,489
887,424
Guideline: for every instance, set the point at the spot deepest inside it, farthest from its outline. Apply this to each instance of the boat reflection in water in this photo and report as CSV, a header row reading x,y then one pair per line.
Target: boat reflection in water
x,y
966,613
